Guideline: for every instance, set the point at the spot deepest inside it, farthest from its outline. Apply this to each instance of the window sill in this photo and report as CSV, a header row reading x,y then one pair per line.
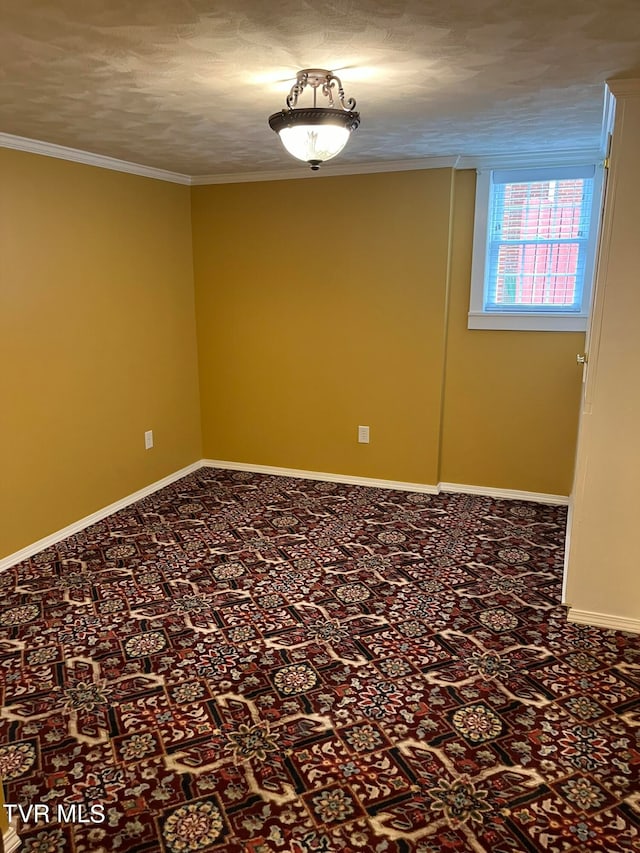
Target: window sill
x,y
527,322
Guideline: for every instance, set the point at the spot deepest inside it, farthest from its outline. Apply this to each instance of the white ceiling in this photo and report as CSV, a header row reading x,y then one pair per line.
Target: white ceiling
x,y
188,85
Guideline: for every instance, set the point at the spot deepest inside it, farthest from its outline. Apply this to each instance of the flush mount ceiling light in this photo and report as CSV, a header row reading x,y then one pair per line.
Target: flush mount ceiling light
x,y
316,134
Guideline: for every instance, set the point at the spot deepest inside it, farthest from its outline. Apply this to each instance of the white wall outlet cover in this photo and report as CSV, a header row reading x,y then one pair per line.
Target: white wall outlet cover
x,y
363,434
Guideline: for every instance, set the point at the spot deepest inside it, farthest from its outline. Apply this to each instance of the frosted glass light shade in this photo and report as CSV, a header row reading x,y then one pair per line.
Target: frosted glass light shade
x,y
314,142
314,135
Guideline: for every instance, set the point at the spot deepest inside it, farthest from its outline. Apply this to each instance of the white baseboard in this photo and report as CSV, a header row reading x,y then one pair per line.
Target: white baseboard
x,y
10,840
425,488
322,475
505,494
603,620
77,526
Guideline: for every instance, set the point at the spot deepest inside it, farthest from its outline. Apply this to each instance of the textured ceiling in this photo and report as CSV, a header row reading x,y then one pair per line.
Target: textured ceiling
x,y
188,85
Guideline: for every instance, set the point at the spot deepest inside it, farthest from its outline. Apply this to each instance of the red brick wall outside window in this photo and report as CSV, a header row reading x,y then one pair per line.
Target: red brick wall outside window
x,y
539,273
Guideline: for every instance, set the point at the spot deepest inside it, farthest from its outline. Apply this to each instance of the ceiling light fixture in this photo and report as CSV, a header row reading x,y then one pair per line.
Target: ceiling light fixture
x,y
316,134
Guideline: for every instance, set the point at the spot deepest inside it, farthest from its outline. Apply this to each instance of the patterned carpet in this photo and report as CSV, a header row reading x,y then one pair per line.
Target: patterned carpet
x,y
269,665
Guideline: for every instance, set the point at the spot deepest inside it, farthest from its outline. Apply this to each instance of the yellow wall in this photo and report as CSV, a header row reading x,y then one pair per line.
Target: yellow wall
x,y
97,340
511,398
321,305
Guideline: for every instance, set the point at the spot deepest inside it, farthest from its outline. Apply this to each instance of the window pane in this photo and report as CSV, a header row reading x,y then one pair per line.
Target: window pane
x,y
537,274
538,234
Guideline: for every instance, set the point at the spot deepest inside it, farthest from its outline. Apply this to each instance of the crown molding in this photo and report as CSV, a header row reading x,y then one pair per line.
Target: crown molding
x,y
625,87
75,155
329,170
575,156
568,157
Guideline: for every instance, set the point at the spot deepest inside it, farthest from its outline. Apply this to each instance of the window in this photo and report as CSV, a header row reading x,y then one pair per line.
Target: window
x,y
534,248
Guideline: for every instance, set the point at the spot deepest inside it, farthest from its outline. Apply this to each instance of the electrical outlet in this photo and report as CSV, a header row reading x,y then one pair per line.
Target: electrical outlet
x,y
363,435
148,439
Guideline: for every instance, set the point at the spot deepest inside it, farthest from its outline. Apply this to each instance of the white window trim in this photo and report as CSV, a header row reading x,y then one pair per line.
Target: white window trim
x,y
542,321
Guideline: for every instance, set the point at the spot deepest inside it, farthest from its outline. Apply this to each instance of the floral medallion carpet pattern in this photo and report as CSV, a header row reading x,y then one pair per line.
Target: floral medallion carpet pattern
x,y
263,664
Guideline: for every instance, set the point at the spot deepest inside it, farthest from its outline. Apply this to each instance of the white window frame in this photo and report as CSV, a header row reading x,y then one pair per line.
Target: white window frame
x,y
528,319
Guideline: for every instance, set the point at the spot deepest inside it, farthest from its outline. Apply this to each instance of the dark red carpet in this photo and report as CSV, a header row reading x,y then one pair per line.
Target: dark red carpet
x,y
271,665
